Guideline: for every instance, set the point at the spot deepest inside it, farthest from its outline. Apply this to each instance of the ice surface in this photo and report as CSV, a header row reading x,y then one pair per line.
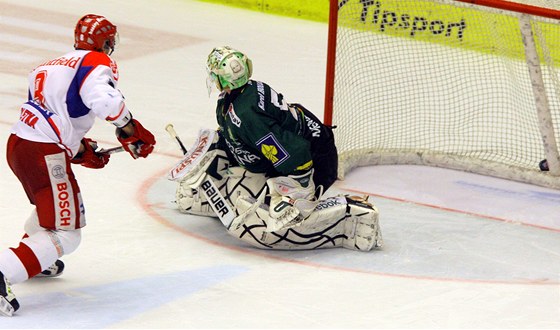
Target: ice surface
x,y
461,250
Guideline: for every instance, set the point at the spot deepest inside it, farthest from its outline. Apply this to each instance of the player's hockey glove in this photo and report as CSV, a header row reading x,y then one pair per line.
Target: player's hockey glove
x,y
89,158
140,144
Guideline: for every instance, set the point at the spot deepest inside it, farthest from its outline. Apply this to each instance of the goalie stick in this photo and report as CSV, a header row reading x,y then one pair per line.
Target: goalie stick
x,y
171,130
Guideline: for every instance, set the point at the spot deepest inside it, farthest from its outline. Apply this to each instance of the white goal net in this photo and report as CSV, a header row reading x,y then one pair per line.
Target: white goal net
x,y
447,83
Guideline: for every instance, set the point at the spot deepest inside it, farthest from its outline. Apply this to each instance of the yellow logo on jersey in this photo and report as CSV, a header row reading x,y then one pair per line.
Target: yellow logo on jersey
x,y
272,149
270,152
305,166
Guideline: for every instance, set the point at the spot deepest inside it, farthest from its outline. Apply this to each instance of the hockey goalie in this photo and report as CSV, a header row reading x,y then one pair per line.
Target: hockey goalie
x,y
280,212
264,170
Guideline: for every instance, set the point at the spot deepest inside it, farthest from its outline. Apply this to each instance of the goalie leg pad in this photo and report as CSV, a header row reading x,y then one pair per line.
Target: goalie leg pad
x,y
235,182
335,222
252,225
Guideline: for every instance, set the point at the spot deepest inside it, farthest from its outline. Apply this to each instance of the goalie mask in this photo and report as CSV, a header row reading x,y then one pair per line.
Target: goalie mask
x,y
94,32
227,69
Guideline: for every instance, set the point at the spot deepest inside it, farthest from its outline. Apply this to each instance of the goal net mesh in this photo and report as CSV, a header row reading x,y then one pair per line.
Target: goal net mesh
x,y
441,83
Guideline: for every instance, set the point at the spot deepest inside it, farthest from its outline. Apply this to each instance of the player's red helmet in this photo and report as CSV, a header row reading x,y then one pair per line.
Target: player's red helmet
x,y
94,32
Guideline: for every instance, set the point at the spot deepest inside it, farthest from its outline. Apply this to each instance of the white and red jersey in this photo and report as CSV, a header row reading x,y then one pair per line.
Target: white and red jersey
x,y
66,94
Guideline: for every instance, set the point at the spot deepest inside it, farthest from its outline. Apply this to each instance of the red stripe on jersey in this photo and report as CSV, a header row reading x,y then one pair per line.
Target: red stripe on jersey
x,y
55,128
118,115
28,259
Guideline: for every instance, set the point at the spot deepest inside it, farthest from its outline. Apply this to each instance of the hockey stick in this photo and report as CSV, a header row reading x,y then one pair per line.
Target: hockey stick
x,y
171,130
110,151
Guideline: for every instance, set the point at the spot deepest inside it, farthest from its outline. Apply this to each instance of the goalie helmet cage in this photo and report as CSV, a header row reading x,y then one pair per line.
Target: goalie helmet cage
x,y
470,85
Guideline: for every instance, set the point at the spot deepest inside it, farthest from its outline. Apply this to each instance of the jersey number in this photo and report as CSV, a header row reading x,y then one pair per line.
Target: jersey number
x,y
38,96
281,105
276,102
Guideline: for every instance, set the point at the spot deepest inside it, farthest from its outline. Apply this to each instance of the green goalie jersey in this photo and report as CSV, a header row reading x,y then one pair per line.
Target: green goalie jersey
x,y
262,132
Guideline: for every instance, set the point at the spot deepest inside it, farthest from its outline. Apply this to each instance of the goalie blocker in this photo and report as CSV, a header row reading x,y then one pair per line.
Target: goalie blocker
x,y
209,185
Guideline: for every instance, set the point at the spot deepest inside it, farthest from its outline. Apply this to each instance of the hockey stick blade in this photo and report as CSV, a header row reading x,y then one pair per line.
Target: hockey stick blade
x,y
171,130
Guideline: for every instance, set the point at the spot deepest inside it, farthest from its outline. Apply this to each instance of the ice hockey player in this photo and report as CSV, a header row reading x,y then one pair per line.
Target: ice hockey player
x,y
65,97
264,171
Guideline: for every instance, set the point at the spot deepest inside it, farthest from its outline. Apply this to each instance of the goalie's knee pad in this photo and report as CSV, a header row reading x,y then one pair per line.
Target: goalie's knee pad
x,y
361,225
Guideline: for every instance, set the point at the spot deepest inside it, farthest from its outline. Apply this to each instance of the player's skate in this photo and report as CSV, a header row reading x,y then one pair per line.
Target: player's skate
x,y
54,270
362,226
8,301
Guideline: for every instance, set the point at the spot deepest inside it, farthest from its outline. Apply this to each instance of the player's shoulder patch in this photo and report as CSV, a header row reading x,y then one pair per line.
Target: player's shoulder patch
x,y
233,116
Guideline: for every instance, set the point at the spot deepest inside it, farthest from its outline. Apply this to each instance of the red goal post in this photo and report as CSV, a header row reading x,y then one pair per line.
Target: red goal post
x,y
471,85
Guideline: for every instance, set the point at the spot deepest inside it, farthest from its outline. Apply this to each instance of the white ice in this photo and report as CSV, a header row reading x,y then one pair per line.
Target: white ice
x,y
461,250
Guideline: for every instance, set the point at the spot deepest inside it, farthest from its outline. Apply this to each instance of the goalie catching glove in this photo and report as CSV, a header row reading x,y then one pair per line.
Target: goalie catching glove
x,y
140,144
89,158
